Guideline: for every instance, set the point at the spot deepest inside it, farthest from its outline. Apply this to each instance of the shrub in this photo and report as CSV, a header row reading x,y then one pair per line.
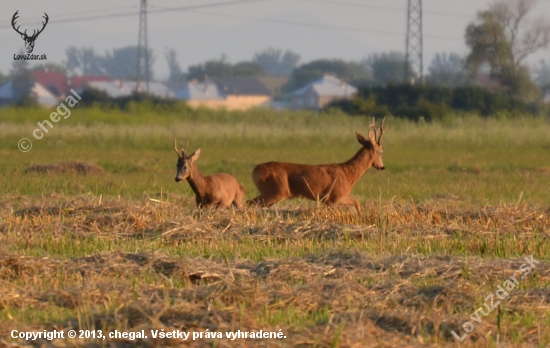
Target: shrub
x,y
433,102
132,103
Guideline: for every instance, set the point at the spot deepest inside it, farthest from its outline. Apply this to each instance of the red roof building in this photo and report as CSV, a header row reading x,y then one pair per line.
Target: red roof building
x,y
77,81
53,81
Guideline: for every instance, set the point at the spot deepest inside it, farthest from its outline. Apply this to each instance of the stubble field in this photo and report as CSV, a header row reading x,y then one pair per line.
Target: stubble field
x,y
122,247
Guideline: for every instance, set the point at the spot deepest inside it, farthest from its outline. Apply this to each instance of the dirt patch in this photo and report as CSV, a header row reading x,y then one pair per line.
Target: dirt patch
x,y
467,170
66,167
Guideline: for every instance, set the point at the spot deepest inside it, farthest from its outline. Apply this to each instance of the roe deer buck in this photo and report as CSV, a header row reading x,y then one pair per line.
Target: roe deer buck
x,y
219,190
329,183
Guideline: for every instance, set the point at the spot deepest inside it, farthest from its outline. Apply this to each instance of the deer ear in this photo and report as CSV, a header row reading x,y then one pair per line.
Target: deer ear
x,y
360,138
195,155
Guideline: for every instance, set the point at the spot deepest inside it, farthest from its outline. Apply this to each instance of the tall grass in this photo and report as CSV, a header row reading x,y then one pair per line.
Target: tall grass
x,y
467,158
458,207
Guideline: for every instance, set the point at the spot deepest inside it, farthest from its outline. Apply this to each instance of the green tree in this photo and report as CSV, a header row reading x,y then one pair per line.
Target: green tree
x,y
387,67
176,74
543,75
248,69
3,78
448,70
211,68
502,37
83,60
121,63
22,83
50,67
351,72
277,63
221,68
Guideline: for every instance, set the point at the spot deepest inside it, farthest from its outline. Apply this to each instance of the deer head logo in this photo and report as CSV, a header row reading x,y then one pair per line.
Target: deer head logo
x,y
29,40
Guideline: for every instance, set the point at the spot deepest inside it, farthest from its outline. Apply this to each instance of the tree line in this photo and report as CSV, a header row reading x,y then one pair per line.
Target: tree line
x,y
500,39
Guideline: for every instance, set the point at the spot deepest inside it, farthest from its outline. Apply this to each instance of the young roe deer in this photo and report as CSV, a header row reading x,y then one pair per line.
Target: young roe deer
x,y
328,183
219,190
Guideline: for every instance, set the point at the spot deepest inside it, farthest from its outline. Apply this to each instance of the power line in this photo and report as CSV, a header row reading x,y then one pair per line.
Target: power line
x,y
313,25
385,8
96,11
327,26
61,16
192,8
135,13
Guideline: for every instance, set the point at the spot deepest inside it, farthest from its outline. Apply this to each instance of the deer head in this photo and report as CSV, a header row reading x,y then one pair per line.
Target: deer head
x,y
373,143
29,40
185,163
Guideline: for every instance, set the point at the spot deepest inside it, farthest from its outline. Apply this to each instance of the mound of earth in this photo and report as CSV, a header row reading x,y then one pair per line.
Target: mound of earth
x,y
66,167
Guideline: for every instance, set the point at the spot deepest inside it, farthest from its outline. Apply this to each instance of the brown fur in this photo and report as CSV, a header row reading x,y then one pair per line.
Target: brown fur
x,y
218,190
328,183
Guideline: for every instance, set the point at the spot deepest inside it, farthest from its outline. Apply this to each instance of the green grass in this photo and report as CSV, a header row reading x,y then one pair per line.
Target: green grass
x,y
476,161
459,205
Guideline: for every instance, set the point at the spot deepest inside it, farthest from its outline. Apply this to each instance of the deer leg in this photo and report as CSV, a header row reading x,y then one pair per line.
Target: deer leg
x,y
350,201
254,201
238,199
205,202
238,202
266,201
221,204
224,204
272,190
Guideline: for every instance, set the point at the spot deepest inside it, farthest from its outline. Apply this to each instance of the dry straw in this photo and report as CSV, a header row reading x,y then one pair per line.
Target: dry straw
x,y
326,277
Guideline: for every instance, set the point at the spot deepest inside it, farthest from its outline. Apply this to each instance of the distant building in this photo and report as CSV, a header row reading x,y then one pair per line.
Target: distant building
x,y
53,81
42,95
234,93
322,92
201,94
274,84
244,93
51,87
123,88
77,82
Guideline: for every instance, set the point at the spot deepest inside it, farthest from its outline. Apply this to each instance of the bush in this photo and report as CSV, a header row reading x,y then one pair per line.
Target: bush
x,y
132,103
432,102
359,106
424,110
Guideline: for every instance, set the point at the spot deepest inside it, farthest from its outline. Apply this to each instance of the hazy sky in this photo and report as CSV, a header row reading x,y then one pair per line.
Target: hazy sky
x,y
202,30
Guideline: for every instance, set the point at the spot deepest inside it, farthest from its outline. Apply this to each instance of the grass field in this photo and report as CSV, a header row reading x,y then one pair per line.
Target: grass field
x,y
458,208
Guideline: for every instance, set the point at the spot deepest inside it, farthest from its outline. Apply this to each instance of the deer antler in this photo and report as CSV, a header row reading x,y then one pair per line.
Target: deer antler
x,y
183,149
381,130
176,148
372,136
13,19
378,131
373,125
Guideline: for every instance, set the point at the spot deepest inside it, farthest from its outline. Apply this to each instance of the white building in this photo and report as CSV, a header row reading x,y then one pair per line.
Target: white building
x,y
123,88
42,95
322,92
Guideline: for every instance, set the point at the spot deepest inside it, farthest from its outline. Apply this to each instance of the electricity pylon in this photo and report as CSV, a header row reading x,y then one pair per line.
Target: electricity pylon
x,y
143,52
413,57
